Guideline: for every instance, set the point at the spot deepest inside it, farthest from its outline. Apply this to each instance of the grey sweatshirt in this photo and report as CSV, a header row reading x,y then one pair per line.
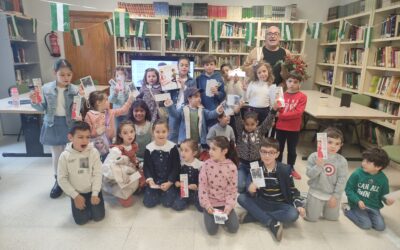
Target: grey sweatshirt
x,y
327,180
218,130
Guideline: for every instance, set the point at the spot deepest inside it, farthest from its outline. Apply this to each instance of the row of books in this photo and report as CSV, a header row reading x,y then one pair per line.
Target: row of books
x,y
390,27
350,79
355,33
388,57
351,9
233,30
387,107
20,75
204,10
12,6
293,47
327,76
375,134
385,85
191,45
354,56
329,55
133,43
332,35
18,54
230,46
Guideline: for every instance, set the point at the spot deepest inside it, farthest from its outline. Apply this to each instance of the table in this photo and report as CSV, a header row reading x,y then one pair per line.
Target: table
x,y
31,125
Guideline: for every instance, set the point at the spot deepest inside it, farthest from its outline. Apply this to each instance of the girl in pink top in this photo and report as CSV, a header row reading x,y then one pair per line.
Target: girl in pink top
x,y
218,186
101,117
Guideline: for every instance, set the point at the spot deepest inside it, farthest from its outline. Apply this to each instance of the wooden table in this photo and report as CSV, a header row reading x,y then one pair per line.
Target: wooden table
x,y
31,125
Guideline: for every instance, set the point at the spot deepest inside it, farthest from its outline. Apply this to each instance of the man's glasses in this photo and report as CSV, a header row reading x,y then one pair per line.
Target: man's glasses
x,y
270,34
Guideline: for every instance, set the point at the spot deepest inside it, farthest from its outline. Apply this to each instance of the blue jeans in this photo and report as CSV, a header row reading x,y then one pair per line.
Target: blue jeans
x,y
367,218
90,212
264,211
243,173
182,203
153,197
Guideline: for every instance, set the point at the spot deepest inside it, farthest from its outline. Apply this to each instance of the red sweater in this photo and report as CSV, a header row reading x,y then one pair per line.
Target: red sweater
x,y
289,118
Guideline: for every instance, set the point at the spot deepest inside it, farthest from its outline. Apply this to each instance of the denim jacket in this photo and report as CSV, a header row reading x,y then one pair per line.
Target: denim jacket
x,y
48,105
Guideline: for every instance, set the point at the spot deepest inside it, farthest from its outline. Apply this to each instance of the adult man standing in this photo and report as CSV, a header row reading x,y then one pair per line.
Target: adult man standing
x,y
271,53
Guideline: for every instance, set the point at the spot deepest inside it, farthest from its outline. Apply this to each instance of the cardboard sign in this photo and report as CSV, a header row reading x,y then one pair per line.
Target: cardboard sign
x,y
210,84
322,145
162,97
184,179
76,108
257,175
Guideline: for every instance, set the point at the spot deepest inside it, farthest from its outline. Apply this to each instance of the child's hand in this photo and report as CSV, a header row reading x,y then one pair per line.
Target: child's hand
x,y
168,103
214,90
210,210
361,205
252,188
81,90
332,202
165,186
100,130
227,210
220,109
319,162
95,200
301,211
192,186
236,109
177,184
79,202
390,201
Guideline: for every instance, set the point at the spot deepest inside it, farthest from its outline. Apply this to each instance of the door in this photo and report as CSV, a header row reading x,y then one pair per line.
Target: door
x,y
96,56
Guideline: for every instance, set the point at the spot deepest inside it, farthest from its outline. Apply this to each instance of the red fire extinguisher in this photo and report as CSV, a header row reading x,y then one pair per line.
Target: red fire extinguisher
x,y
54,49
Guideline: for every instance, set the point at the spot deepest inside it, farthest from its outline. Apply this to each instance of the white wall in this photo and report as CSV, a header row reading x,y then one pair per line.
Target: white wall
x,y
314,11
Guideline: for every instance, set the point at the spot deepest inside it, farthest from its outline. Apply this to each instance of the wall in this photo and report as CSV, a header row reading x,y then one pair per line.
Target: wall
x,y
314,11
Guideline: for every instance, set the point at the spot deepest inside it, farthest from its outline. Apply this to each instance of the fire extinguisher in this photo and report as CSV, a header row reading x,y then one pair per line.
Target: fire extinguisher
x,y
54,49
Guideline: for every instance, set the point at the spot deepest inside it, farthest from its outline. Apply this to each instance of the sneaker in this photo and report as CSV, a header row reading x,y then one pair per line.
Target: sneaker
x,y
56,191
296,175
276,229
126,202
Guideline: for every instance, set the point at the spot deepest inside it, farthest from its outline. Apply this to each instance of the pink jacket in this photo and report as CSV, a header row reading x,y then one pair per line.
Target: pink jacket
x,y
96,119
218,184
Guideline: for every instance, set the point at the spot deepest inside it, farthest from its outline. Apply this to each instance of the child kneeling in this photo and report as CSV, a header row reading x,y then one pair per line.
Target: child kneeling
x,y
80,175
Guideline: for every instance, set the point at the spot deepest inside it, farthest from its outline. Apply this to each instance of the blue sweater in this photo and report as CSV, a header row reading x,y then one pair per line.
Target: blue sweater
x,y
211,103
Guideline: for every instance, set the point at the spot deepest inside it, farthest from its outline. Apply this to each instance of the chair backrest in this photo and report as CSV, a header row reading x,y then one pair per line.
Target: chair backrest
x,y
362,99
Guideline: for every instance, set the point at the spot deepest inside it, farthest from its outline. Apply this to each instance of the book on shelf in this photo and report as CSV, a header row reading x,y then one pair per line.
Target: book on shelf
x,y
215,11
332,35
234,13
270,12
329,55
189,45
13,6
388,57
390,27
145,10
376,134
350,79
387,107
293,47
175,10
235,61
356,33
233,30
133,43
327,76
230,46
161,8
200,10
18,54
385,85
351,9
353,56
187,9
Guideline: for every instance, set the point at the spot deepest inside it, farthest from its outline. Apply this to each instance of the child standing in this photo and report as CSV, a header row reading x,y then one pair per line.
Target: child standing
x,y
249,136
140,115
289,119
327,179
218,185
222,128
257,92
193,117
161,167
366,190
101,118
58,97
151,86
190,166
278,201
79,175
119,92
178,97
121,164
215,84
233,86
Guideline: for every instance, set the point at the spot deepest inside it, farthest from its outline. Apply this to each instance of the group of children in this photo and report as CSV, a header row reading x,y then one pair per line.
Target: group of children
x,y
146,153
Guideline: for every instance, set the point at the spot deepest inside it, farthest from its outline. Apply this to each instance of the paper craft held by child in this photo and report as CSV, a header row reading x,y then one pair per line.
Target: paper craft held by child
x,y
168,74
322,146
88,85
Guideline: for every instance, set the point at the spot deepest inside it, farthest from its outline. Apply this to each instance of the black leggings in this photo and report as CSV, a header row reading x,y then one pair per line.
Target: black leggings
x,y
292,138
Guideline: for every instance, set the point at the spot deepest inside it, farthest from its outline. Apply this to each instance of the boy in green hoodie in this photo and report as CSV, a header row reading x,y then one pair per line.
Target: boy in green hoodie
x,y
366,190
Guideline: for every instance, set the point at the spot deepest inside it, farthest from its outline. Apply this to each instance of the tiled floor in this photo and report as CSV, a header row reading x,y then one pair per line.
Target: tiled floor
x,y
29,219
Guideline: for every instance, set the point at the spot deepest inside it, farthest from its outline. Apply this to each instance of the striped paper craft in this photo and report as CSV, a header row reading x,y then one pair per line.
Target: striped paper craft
x,y
216,29
76,35
59,17
141,29
173,29
109,24
121,24
316,30
15,27
250,34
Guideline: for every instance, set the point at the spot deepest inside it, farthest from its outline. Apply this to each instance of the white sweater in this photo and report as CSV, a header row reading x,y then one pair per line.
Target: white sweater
x,y
257,94
80,172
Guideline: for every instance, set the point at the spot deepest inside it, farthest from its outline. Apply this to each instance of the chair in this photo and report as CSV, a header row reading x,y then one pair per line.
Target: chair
x,y
393,152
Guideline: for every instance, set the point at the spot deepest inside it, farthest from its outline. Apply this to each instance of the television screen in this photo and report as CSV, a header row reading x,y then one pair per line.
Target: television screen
x,y
141,63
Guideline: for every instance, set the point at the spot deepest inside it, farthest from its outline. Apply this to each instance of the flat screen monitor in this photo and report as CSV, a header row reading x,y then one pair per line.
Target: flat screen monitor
x,y
141,63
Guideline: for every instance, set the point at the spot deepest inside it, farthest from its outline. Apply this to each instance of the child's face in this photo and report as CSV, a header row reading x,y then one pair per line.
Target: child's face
x,y
209,68
127,134
120,76
80,140
99,144
334,145
63,76
225,72
187,154
183,67
195,100
103,105
223,121
151,77
293,85
217,153
262,73
160,134
139,114
369,167
268,155
250,125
